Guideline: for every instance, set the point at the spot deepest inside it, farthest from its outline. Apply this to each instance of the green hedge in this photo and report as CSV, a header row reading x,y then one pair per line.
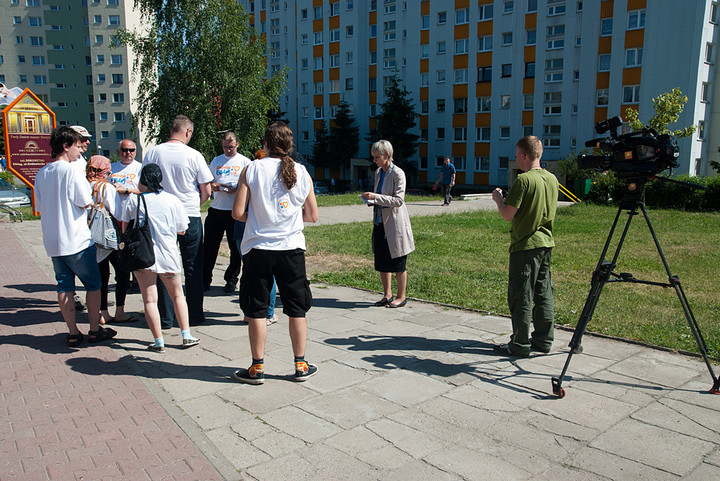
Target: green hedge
x,y
658,194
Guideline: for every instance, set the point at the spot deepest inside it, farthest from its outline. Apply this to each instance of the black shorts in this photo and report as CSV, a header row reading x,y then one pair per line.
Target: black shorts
x,y
288,268
383,261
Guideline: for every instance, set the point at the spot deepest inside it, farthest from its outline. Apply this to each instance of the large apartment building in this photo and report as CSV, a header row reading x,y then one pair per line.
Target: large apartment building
x,y
484,73
61,50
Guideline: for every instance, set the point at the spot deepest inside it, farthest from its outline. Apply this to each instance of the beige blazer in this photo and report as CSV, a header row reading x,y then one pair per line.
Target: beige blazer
x,y
395,217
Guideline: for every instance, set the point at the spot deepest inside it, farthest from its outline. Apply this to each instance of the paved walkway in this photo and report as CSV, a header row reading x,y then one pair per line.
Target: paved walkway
x,y
402,394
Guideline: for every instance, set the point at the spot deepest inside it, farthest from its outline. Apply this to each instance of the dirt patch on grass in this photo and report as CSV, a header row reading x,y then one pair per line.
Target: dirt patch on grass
x,y
324,262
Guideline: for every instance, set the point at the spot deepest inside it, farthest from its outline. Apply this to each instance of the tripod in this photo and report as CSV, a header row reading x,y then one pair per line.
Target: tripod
x,y
634,200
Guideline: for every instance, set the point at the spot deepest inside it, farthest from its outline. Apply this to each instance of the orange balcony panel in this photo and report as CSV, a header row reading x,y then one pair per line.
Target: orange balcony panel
x,y
372,71
334,48
334,99
458,149
318,100
372,97
481,178
318,125
462,31
531,21
528,85
483,119
372,45
372,124
423,148
425,37
484,28
317,3
318,75
460,177
603,80
263,16
466,3
527,117
334,22
459,120
460,61
372,18
624,109
601,113
482,148
460,90
424,120
634,38
483,89
636,4
318,25
484,59
529,54
425,7
606,9
422,176
604,44
424,93
424,65
632,76
318,50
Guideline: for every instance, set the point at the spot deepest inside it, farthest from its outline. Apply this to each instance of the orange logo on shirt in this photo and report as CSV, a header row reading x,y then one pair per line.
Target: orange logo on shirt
x,y
284,204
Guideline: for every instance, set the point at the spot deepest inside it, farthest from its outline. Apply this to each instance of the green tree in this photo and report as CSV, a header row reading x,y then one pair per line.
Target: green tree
x,y
344,137
396,119
668,107
201,58
321,150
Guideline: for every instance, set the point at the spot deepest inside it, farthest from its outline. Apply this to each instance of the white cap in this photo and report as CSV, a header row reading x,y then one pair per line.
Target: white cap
x,y
81,130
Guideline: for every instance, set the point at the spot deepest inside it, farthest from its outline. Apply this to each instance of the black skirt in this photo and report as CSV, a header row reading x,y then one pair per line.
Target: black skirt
x,y
384,262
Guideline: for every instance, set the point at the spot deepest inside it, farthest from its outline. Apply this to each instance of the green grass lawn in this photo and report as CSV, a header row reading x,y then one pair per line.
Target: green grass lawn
x,y
462,259
350,198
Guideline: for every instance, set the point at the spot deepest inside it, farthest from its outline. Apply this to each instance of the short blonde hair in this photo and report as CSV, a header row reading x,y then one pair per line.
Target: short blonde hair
x,y
532,146
382,147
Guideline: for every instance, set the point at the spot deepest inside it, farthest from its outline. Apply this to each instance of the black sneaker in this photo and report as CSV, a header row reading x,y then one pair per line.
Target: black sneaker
x,y
536,348
504,349
304,370
254,375
79,305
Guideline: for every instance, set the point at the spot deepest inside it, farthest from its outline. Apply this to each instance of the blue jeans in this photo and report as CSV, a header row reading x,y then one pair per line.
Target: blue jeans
x,y
82,264
191,251
238,236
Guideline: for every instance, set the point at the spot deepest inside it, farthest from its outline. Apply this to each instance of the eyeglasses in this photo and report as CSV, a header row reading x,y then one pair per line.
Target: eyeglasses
x,y
94,170
127,150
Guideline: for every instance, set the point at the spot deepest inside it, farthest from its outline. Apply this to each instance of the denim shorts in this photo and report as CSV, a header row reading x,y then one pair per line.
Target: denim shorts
x,y
83,265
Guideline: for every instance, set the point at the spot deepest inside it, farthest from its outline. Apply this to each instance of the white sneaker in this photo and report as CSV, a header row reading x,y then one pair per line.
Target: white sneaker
x,y
271,320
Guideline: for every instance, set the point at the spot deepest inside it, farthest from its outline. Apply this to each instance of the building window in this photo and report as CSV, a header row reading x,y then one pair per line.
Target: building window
x,y
460,134
503,163
486,12
100,58
118,98
335,35
606,27
459,162
483,134
527,130
555,44
529,69
304,39
528,101
714,12
335,60
636,19
18,40
709,51
36,41
482,164
462,15
424,79
485,43
424,50
38,60
461,76
484,104
631,94
317,63
440,133
505,132
556,31
21,58
701,130
556,10
116,60
461,46
40,79
578,41
441,48
425,22
17,20
530,37
633,57
117,78
604,62
440,75
104,134
508,6
318,88
120,135
119,116
99,39
424,107
504,101
579,7
602,97
705,92
349,57
532,6
440,105
317,13
460,105
34,22
318,112
114,20
318,36
102,97
22,79
507,38
553,70
349,31
442,18
101,78
551,137
506,70
334,9
349,83
484,74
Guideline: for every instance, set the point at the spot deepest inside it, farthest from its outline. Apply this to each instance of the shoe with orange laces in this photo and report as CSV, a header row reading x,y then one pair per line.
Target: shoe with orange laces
x,y
304,370
254,375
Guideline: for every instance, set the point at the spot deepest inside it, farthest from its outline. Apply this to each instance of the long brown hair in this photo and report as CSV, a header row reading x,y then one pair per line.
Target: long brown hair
x,y
279,143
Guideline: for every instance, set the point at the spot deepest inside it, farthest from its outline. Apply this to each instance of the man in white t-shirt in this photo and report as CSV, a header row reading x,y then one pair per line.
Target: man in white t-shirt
x,y
185,175
81,165
63,195
226,170
124,175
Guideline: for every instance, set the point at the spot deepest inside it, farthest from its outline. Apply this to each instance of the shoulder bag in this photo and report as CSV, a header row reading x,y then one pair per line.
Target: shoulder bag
x,y
135,251
103,227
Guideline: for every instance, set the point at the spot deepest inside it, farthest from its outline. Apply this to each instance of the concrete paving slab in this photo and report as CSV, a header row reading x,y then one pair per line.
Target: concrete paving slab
x,y
411,441
617,467
471,465
681,417
404,387
349,407
301,424
703,473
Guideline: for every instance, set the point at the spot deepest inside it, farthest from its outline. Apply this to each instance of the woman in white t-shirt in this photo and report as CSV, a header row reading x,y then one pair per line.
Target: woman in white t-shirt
x,y
275,196
168,219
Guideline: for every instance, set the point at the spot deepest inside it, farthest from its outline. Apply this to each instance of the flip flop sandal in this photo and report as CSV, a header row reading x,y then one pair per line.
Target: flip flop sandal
x,y
102,334
115,320
74,340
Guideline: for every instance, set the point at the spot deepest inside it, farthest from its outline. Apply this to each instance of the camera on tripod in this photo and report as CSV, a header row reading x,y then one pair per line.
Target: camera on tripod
x,y
641,154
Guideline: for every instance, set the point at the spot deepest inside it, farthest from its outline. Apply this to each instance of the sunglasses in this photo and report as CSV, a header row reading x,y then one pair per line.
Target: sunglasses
x,y
127,150
95,170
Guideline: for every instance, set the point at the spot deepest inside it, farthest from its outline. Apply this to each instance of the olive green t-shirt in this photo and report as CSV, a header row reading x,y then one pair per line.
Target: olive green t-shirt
x,y
535,195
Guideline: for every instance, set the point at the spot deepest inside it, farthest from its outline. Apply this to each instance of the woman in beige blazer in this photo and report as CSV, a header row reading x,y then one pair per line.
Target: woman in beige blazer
x,y
392,238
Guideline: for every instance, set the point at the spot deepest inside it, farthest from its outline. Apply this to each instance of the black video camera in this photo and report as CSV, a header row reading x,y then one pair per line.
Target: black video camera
x,y
640,154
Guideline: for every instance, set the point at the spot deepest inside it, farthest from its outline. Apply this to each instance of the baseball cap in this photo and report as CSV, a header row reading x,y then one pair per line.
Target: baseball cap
x,y
81,130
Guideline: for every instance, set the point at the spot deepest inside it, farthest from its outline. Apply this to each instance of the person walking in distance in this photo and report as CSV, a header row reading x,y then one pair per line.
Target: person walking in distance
x,y
530,206
226,170
446,180
275,196
186,176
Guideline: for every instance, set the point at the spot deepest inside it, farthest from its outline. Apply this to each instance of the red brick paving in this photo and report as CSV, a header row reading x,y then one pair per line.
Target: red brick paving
x,y
69,413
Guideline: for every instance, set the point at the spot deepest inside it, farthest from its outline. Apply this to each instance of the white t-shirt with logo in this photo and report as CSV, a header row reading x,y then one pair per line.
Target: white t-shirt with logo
x,y
167,218
226,171
61,194
126,175
183,169
274,213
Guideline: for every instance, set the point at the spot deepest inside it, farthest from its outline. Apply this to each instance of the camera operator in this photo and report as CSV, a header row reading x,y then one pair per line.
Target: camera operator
x,y
530,205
